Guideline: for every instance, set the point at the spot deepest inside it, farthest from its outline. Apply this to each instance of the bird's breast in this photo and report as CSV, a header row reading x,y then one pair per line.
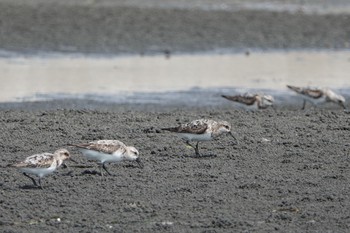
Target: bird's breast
x,y
100,156
196,137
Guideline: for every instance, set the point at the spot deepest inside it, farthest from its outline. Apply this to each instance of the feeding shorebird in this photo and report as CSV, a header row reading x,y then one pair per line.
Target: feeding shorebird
x,y
42,164
317,96
201,130
108,151
251,101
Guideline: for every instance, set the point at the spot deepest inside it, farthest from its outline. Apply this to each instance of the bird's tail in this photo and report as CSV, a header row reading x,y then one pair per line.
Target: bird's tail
x,y
232,98
18,165
225,96
76,145
171,129
294,88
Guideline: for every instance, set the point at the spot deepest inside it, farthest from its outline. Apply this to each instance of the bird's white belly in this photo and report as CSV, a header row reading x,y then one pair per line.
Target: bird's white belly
x,y
315,101
101,157
41,172
195,137
252,107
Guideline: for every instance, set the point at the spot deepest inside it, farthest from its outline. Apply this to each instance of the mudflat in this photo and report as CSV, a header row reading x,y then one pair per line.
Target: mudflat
x,y
116,27
288,173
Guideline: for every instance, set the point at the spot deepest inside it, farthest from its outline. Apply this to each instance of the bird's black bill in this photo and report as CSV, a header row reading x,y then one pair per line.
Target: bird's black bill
x,y
138,160
74,161
236,141
343,105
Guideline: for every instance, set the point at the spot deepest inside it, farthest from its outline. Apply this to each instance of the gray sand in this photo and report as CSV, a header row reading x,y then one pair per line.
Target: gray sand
x,y
288,173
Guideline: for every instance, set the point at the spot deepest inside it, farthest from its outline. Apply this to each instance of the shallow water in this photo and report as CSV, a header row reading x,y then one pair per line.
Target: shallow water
x,y
158,79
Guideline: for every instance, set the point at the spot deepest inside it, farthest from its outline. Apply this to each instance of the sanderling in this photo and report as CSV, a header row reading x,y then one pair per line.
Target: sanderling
x,y
201,130
251,101
42,164
108,151
318,95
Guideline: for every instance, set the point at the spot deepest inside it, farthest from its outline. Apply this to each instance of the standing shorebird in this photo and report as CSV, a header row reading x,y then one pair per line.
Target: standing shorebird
x,y
108,151
42,164
201,130
251,102
318,96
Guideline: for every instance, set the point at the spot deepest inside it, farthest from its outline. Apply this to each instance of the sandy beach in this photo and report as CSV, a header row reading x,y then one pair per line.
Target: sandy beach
x,y
289,171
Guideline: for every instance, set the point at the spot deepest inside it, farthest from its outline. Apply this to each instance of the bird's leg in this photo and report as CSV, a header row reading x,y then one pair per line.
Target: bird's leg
x,y
34,182
189,144
304,104
104,167
101,172
197,150
40,183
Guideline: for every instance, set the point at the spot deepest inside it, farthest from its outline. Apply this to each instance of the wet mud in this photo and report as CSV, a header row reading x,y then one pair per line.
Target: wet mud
x,y
288,173
118,29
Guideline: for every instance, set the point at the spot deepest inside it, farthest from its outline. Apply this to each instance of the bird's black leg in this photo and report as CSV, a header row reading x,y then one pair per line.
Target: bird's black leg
x,y
34,182
40,183
304,104
197,150
189,144
101,172
104,167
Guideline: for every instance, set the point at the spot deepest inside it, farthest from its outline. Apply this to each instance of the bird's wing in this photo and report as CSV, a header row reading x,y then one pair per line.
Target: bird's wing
x,y
106,147
194,127
313,93
43,160
248,100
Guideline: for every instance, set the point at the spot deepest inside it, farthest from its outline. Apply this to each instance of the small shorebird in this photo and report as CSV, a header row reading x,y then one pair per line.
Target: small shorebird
x,y
317,96
42,164
108,151
251,101
201,130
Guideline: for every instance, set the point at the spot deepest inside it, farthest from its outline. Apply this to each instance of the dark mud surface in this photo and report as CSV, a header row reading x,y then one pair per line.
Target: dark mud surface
x,y
115,29
289,173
